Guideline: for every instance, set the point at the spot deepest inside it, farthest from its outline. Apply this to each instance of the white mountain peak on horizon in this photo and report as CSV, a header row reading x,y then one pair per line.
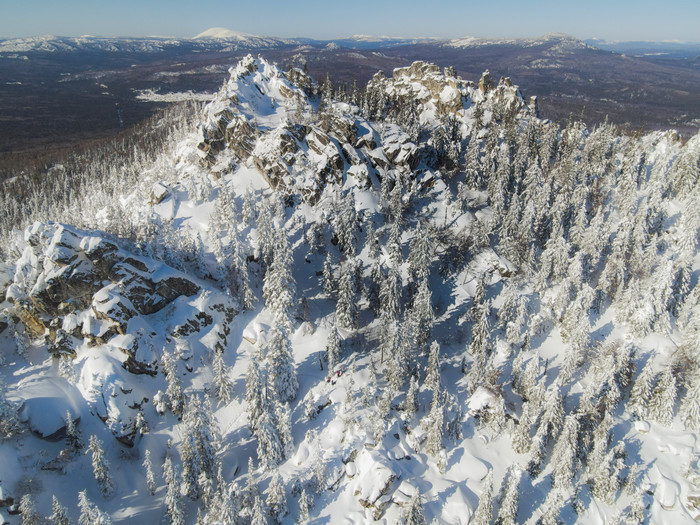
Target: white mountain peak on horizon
x,y
222,33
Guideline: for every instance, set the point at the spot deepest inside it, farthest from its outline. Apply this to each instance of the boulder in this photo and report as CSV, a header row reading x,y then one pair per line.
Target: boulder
x,y
374,483
159,192
44,402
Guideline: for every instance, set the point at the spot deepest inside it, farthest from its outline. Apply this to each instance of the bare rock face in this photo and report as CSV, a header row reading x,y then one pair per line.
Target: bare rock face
x,y
75,272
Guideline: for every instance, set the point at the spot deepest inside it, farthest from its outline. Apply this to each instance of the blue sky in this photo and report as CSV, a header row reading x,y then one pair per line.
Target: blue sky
x,y
609,19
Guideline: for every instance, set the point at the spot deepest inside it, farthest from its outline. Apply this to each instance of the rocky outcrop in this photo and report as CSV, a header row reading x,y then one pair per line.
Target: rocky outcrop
x,y
78,272
375,480
425,84
486,82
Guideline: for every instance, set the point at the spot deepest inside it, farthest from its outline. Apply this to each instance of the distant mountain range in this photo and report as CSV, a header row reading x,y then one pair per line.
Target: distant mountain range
x,y
57,90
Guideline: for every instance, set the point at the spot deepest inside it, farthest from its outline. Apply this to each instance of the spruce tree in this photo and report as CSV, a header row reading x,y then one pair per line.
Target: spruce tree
x,y
305,505
174,392
277,499
270,450
258,513
100,467
690,405
9,418
432,375
222,382
414,514
663,399
173,501
281,362
59,513
564,454
90,513
28,511
73,439
435,421
333,349
411,402
150,478
484,511
642,389
254,391
508,511
346,309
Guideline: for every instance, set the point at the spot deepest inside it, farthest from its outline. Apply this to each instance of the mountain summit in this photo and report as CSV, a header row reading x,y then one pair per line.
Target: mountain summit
x,y
222,34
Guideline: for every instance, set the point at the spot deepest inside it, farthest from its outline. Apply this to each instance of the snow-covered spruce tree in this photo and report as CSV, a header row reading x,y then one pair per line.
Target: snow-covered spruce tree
x,y
281,363
521,435
266,233
414,513
327,275
248,208
28,511
690,404
346,309
484,511
434,424
66,369
508,511
663,399
345,223
90,513
279,286
564,454
9,419
59,513
197,448
222,381
258,516
551,508
151,485
333,349
421,318
481,330
173,501
176,398
549,427
389,293
305,505
270,450
140,424
410,406
73,439
277,499
100,467
420,253
255,384
283,422
432,373
642,389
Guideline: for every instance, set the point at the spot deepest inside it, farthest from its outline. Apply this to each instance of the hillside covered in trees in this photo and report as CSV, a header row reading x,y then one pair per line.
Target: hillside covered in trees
x,y
414,302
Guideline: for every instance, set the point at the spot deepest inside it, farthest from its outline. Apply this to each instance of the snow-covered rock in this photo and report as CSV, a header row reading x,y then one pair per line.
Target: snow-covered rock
x,y
44,402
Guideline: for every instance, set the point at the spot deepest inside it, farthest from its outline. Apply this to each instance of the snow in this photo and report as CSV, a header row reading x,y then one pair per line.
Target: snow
x,y
45,401
370,478
149,95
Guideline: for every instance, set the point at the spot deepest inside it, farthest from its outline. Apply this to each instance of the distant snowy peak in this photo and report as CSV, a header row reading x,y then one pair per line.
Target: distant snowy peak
x,y
222,33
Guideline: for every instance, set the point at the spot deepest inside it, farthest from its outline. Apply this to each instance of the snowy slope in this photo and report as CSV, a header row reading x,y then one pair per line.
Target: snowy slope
x,y
284,222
